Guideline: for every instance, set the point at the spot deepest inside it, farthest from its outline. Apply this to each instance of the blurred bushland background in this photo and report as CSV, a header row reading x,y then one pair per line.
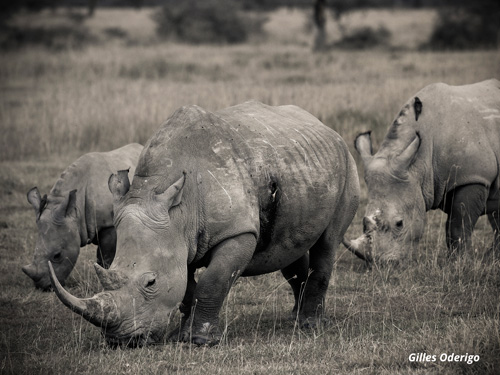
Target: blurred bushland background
x,y
79,76
89,75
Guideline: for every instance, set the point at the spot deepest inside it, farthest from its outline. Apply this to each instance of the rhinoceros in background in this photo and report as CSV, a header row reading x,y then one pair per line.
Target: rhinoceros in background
x,y
78,211
247,190
442,151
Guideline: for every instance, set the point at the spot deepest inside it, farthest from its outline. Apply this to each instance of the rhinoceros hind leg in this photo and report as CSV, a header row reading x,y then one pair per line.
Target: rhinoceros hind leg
x,y
296,275
321,259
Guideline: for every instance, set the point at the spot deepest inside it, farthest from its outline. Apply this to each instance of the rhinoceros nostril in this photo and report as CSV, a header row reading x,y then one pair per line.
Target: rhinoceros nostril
x,y
44,288
57,257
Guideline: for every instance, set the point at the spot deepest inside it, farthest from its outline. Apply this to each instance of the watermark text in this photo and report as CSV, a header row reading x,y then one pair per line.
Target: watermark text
x,y
444,357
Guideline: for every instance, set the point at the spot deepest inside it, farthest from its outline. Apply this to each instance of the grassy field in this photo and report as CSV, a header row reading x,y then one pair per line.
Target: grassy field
x,y
58,103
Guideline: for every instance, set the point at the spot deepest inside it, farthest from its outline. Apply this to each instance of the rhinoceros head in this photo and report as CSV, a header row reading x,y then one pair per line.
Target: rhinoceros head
x,y
58,237
395,214
148,277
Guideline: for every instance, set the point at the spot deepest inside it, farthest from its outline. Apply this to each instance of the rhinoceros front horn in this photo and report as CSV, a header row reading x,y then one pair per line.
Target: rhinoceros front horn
x,y
356,247
98,310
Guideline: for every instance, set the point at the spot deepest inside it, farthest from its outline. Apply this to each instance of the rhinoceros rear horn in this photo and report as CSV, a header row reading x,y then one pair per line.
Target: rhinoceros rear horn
x,y
369,223
119,184
109,279
173,195
403,161
363,145
98,310
66,207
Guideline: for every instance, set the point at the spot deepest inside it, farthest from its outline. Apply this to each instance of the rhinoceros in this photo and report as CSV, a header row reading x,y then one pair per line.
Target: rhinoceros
x,y
441,152
246,190
77,211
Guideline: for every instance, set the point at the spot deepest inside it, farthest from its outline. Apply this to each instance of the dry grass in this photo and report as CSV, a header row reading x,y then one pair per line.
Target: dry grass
x,y
55,106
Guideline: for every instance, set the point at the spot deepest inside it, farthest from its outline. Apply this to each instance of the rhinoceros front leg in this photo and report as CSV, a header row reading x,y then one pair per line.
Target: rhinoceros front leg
x,y
468,203
228,261
185,308
106,246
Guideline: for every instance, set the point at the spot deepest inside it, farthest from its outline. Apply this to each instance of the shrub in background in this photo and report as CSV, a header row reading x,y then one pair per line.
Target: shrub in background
x,y
467,25
54,38
365,38
205,21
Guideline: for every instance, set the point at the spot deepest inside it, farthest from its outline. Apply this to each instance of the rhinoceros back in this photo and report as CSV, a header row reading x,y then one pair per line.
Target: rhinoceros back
x,y
299,166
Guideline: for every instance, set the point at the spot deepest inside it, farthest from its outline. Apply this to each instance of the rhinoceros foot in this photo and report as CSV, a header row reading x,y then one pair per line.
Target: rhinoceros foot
x,y
205,340
313,323
209,336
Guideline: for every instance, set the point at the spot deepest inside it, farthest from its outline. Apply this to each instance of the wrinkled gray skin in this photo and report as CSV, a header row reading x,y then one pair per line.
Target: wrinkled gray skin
x,y
77,211
448,159
247,190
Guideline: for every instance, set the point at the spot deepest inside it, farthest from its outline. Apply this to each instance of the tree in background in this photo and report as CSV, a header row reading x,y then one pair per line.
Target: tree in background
x,y
9,8
320,22
91,7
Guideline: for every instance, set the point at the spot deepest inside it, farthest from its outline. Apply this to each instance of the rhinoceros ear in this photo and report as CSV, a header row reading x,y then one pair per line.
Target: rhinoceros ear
x,y
403,161
363,145
119,184
173,195
417,106
34,198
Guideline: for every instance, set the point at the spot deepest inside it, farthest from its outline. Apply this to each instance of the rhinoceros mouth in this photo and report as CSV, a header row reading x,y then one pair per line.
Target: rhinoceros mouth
x,y
44,287
44,284
125,342
118,335
134,341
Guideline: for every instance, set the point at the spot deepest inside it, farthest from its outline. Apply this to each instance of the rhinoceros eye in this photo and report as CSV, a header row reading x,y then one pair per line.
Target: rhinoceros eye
x,y
149,279
148,286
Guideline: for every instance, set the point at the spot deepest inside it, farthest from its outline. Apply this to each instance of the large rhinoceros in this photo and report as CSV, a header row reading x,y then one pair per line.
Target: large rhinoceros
x,y
442,151
77,211
247,190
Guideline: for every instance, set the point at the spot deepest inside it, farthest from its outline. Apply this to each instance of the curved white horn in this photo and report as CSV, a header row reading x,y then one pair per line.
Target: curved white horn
x,y
97,310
